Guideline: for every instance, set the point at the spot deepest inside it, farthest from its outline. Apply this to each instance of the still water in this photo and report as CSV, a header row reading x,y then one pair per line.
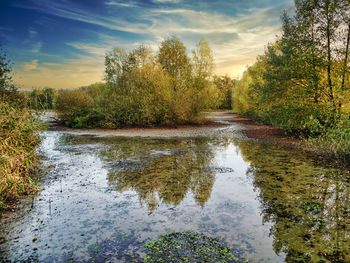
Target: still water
x,y
104,197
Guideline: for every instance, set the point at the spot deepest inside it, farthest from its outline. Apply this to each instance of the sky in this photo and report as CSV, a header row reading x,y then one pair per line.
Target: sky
x,y
62,43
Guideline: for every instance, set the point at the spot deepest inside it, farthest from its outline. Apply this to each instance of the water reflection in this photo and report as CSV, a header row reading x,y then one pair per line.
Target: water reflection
x,y
163,170
306,200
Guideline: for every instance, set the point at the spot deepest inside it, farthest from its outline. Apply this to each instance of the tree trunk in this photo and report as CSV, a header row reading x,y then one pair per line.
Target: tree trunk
x,y
329,56
345,66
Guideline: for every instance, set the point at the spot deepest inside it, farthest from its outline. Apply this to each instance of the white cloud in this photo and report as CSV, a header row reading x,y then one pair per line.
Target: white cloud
x,y
29,66
167,1
71,73
235,40
122,4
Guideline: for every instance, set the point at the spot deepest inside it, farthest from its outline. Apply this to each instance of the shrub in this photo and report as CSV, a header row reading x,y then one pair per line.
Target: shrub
x,y
306,119
335,141
40,99
71,103
18,158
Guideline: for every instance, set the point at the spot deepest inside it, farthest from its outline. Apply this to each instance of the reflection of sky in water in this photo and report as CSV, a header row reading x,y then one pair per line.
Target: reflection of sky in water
x,y
106,196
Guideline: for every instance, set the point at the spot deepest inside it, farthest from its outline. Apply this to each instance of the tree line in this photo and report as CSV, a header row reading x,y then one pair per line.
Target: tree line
x,y
302,82
146,89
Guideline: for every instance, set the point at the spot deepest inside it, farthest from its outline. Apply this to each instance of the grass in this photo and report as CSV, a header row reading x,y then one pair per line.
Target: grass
x,y
18,156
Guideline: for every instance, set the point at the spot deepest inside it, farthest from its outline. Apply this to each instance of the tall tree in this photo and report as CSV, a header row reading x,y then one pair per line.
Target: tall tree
x,y
346,19
173,58
203,60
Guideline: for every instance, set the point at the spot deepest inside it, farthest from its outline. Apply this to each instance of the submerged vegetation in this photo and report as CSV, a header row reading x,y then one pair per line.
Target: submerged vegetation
x,y
302,82
188,247
306,200
18,140
146,89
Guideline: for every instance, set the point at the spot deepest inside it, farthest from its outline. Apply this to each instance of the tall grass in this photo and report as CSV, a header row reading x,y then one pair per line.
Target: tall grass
x,y
18,156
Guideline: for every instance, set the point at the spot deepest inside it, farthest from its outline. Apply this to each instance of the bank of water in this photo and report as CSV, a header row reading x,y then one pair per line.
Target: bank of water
x,y
105,196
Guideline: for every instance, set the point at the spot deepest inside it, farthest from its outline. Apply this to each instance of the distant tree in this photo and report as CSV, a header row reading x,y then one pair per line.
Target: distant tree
x,y
224,86
145,89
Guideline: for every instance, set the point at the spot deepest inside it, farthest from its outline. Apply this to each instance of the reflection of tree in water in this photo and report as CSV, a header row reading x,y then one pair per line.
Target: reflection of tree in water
x,y
307,202
162,170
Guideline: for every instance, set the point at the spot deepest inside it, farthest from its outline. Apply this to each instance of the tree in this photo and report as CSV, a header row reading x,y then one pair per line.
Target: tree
x,y
224,86
8,91
204,93
203,61
173,58
346,18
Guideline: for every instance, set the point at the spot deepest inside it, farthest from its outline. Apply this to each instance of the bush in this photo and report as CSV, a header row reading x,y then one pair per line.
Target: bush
x,y
72,103
18,157
335,141
40,99
305,119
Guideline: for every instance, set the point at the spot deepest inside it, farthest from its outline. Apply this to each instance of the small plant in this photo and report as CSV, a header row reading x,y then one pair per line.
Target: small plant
x,y
188,247
312,207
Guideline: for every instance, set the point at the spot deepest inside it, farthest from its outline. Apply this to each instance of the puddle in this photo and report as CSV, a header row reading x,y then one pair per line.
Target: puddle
x,y
107,196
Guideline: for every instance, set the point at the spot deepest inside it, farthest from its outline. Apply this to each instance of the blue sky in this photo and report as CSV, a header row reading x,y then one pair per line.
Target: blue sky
x,y
62,43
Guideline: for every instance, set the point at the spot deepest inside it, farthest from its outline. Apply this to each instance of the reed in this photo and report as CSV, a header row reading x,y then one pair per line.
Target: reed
x,y
19,162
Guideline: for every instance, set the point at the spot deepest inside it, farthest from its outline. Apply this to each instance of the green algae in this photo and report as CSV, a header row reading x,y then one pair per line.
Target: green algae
x,y
188,247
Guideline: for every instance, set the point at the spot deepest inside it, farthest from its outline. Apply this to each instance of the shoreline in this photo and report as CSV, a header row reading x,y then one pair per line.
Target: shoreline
x,y
245,127
220,123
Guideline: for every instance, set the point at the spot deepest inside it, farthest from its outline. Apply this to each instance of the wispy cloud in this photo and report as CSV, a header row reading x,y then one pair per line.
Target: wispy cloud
x,y
168,1
29,66
121,4
71,73
236,40
36,47
32,33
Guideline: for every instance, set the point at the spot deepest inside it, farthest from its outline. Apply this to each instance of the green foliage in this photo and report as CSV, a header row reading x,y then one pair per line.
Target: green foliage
x,y
335,140
302,82
143,89
41,99
174,60
224,88
188,247
71,104
8,91
18,140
